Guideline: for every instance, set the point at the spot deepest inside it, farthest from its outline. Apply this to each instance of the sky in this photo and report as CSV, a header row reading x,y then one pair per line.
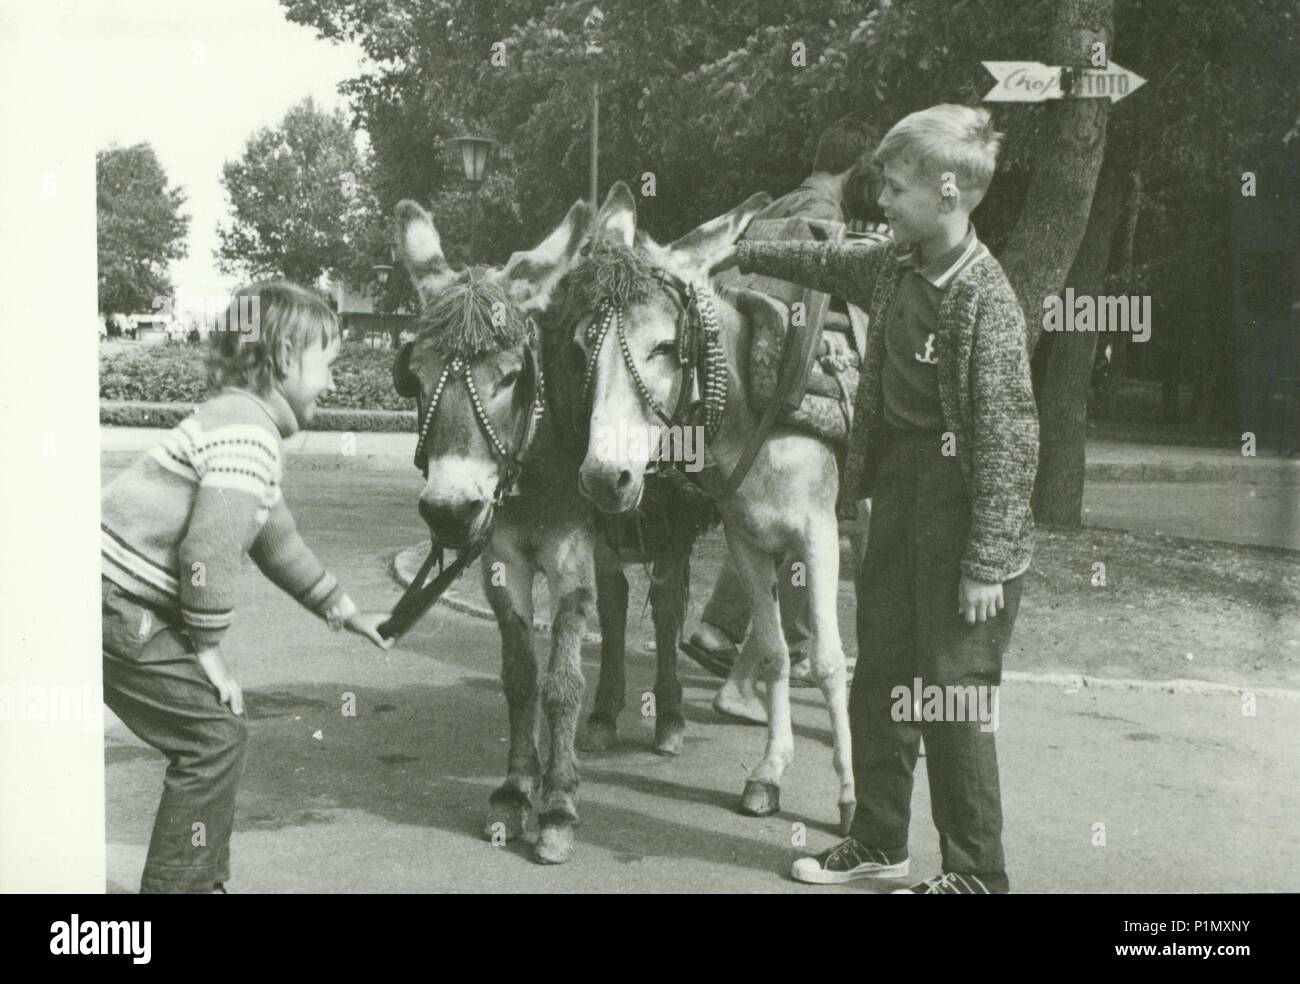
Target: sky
x,y
195,78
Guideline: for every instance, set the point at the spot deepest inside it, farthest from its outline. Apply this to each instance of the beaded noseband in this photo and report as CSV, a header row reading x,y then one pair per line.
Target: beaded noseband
x,y
512,459
697,340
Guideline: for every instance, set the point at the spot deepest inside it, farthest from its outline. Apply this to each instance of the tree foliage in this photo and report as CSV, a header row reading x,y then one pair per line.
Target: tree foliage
x,y
139,229
300,201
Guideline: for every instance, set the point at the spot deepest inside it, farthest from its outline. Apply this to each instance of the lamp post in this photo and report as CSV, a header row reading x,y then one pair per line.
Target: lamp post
x,y
475,159
381,272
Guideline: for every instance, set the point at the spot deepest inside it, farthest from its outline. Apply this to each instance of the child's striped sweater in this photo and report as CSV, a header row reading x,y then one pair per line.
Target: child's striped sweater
x,y
176,525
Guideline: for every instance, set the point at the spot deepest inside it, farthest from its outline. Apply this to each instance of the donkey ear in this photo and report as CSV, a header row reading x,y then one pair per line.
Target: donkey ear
x,y
420,248
405,382
700,248
616,220
530,277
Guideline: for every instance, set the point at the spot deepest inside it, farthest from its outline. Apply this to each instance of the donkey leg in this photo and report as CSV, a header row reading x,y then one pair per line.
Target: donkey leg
x,y
611,607
766,646
670,578
508,585
571,581
827,657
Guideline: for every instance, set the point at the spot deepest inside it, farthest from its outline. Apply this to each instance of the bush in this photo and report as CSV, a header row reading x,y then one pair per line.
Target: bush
x,y
174,374
129,414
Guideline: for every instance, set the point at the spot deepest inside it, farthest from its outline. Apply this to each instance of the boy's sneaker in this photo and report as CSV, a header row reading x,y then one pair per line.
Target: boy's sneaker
x,y
847,861
949,883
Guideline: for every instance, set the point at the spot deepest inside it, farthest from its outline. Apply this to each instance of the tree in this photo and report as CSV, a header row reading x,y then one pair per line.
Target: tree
x,y
139,228
721,100
300,202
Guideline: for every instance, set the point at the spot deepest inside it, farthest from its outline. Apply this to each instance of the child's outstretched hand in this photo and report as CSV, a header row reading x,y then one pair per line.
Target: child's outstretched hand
x,y
227,689
367,624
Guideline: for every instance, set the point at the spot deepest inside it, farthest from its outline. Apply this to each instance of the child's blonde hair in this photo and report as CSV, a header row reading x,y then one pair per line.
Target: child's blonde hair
x,y
947,138
245,349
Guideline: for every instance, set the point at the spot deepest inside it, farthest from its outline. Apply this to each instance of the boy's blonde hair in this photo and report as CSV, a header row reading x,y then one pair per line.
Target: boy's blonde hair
x,y
947,138
245,349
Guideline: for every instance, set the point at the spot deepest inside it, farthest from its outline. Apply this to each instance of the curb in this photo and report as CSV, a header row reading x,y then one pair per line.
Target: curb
x,y
408,561
1262,472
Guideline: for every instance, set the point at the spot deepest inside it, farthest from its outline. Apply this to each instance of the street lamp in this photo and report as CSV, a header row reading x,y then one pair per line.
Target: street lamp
x,y
381,271
475,159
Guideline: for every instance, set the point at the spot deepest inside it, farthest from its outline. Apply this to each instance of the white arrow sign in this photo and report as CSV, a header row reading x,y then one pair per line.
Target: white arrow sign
x,y
1034,82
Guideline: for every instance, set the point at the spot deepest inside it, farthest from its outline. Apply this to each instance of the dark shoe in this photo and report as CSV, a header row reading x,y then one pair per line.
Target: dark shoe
x,y
949,883
717,661
847,861
712,649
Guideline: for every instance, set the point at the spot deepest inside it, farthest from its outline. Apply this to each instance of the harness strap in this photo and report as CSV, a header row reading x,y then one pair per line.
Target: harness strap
x,y
420,597
757,436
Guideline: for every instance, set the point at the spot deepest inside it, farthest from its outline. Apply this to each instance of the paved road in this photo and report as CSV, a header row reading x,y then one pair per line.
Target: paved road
x,y
1193,795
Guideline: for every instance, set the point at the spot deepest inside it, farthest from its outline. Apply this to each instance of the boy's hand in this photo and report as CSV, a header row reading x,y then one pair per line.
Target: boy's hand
x,y
227,689
367,624
978,601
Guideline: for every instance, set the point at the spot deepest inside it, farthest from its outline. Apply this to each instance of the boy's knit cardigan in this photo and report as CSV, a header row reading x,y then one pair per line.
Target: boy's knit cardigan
x,y
984,385
176,525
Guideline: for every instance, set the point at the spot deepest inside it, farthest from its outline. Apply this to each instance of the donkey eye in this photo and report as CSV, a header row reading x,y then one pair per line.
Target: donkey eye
x,y
507,379
665,348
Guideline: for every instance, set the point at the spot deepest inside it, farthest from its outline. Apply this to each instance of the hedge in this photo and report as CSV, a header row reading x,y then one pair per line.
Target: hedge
x,y
115,413
174,374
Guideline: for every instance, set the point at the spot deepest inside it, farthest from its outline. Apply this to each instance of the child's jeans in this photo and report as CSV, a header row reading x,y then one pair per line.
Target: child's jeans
x,y
909,628
154,683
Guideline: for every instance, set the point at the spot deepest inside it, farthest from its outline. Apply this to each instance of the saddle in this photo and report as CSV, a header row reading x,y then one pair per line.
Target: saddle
x,y
830,375
808,366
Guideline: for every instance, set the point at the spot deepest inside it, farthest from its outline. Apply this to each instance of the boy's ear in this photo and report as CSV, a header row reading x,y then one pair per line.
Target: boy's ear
x,y
420,248
949,192
284,357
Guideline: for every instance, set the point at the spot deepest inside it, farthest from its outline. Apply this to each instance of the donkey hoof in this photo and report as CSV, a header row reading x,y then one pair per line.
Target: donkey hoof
x,y
846,818
599,735
760,799
670,735
554,844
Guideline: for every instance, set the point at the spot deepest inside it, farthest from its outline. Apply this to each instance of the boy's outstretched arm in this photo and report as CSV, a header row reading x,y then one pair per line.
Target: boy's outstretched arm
x,y
284,557
1004,459
846,270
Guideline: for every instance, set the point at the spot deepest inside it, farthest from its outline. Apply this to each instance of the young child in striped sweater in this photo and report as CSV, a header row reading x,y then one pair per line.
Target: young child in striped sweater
x,y
175,528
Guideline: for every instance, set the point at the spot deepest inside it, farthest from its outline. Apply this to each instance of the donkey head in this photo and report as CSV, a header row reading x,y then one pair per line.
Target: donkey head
x,y
474,366
623,421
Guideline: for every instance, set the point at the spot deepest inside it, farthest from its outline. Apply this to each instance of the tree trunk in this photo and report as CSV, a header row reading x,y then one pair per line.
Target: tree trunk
x,y
1063,407
1052,223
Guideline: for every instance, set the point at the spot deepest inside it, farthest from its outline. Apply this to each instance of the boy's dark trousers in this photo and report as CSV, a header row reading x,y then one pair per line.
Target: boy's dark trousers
x,y
154,683
909,627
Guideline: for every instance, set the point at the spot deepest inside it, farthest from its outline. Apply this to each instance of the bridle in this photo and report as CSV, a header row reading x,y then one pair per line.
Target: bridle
x,y
511,459
702,388
420,597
